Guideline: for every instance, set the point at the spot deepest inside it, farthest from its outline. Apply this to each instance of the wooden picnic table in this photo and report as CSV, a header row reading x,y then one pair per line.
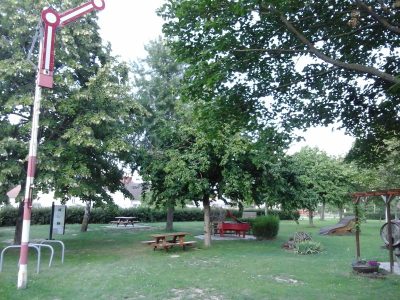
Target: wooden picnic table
x,y
125,221
168,240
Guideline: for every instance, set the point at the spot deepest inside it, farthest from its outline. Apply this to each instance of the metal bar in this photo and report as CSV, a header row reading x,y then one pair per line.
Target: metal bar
x,y
19,246
59,242
47,246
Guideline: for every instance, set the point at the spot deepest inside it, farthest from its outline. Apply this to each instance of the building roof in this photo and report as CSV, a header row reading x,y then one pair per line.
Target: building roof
x,y
13,193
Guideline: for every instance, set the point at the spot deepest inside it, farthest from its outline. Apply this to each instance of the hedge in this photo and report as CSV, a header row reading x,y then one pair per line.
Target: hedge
x,y
8,214
282,214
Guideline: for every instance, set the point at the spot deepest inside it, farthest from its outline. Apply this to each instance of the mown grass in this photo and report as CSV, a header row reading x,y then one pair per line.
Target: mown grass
x,y
107,263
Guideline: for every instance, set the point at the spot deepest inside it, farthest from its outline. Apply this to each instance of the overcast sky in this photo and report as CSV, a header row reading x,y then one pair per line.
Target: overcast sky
x,y
130,24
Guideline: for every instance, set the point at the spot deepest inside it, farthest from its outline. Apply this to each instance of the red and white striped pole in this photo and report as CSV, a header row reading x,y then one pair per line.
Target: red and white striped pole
x,y
30,176
52,20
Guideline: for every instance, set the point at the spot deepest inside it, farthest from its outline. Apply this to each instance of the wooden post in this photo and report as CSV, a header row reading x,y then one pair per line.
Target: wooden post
x,y
358,253
388,199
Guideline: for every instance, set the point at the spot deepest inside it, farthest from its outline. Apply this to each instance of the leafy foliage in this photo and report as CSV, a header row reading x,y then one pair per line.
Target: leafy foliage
x,y
299,63
308,247
181,159
87,120
322,179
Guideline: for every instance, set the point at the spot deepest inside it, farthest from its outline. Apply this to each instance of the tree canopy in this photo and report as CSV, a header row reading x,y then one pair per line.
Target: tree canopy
x,y
87,120
297,63
188,152
321,179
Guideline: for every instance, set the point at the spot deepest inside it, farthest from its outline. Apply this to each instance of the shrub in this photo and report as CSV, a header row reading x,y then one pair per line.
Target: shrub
x,y
286,214
41,216
282,214
8,216
308,247
266,227
74,214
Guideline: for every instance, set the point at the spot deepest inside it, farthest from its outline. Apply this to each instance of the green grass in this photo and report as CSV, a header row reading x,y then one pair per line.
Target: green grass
x,y
109,263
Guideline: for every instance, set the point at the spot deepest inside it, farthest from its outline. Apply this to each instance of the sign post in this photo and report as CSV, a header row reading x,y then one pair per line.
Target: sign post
x,y
52,20
57,221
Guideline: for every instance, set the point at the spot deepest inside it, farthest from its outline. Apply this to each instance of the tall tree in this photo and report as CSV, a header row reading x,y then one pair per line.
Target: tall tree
x,y
321,180
384,168
228,165
313,62
157,82
189,151
87,120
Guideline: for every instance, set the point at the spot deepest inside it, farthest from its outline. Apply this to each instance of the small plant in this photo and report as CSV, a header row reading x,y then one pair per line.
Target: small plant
x,y
266,227
308,247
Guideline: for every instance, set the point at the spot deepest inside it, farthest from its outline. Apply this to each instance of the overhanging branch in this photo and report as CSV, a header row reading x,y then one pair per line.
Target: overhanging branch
x,y
275,51
348,66
383,21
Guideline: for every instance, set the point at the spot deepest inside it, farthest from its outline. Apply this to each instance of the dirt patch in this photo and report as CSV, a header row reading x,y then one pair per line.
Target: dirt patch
x,y
195,293
286,280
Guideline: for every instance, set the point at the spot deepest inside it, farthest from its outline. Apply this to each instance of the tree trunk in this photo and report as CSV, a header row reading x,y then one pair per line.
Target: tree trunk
x,y
18,225
323,211
170,218
207,222
340,213
266,208
311,217
86,217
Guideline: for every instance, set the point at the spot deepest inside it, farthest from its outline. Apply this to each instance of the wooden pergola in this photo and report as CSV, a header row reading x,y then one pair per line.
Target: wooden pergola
x,y
387,196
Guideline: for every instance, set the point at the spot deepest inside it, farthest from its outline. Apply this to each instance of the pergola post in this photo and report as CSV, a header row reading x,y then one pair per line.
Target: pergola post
x,y
388,199
358,251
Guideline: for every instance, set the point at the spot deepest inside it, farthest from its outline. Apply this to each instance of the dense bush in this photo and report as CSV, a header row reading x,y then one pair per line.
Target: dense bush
x,y
40,216
265,227
103,215
286,215
8,216
282,214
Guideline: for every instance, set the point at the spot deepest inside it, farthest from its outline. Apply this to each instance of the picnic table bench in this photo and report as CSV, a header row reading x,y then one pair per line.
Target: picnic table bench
x,y
125,221
168,240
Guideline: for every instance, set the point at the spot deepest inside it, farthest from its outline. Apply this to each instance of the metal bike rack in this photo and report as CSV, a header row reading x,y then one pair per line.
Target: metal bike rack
x,y
19,246
46,246
37,247
59,242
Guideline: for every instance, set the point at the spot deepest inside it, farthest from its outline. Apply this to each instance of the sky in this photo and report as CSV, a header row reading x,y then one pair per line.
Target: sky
x,y
131,24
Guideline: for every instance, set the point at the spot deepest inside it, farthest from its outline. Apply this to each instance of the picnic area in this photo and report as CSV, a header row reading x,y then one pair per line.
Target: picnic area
x,y
112,263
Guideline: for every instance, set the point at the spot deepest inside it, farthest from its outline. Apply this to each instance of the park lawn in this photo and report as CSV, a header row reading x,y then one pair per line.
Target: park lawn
x,y
111,263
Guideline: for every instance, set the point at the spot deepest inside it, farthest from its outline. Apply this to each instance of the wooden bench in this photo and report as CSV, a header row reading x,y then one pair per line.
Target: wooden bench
x,y
164,245
184,244
148,242
168,240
